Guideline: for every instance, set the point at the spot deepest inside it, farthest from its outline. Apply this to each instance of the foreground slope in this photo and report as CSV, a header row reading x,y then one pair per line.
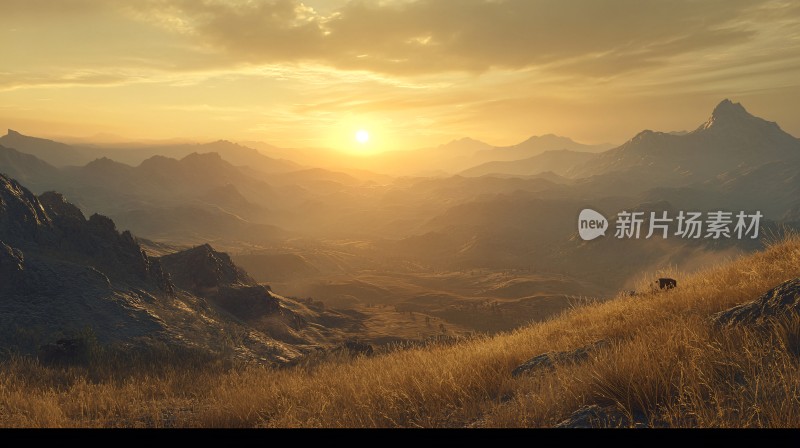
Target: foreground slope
x,y
664,360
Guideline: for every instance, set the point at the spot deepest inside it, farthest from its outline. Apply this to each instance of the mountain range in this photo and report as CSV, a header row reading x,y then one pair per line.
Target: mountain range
x,y
558,162
381,237
60,154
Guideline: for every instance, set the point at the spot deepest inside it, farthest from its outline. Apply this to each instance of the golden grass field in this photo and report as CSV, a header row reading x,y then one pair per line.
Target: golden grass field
x,y
665,361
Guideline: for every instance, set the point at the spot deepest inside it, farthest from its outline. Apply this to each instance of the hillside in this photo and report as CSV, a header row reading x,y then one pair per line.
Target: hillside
x,y
55,153
25,167
650,360
63,273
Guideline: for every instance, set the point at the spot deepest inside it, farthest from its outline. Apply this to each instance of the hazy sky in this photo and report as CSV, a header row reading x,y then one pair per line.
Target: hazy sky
x,y
412,72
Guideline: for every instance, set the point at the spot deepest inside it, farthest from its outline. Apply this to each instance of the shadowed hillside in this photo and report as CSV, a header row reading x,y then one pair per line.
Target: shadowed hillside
x,y
63,274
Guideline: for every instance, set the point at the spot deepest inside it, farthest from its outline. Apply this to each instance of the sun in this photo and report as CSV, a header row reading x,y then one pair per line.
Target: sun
x,y
362,136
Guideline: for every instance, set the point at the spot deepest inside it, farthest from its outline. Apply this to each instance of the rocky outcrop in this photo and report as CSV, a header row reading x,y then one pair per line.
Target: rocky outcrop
x,y
57,206
22,217
548,361
97,239
50,225
593,416
12,263
201,268
246,302
204,271
161,278
781,301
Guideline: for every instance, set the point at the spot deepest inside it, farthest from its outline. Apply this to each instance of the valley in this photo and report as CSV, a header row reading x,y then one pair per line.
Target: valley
x,y
485,250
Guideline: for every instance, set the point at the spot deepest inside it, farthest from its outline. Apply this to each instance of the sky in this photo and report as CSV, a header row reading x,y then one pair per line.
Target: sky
x,y
412,73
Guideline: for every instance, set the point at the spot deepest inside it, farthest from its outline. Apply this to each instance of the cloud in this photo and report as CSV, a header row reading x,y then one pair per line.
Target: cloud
x,y
11,81
13,8
582,37
399,38
514,67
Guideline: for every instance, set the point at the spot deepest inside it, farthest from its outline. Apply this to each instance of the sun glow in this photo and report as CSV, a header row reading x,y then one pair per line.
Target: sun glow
x,y
362,136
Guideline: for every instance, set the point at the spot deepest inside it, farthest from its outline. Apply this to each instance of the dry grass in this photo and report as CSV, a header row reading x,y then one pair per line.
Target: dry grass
x,y
665,362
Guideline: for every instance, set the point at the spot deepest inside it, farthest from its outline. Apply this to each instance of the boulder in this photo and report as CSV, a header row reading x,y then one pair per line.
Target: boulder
x,y
358,348
548,361
780,301
593,416
73,351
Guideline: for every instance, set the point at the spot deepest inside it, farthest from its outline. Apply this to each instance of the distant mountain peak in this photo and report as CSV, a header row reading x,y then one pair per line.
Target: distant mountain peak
x,y
227,144
728,108
102,161
106,166
647,134
207,156
551,136
464,142
549,139
730,138
727,113
12,134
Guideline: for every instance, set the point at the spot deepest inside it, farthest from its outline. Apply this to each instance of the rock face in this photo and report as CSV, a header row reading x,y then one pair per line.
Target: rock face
x,y
22,217
49,224
60,273
781,301
548,361
96,238
12,263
